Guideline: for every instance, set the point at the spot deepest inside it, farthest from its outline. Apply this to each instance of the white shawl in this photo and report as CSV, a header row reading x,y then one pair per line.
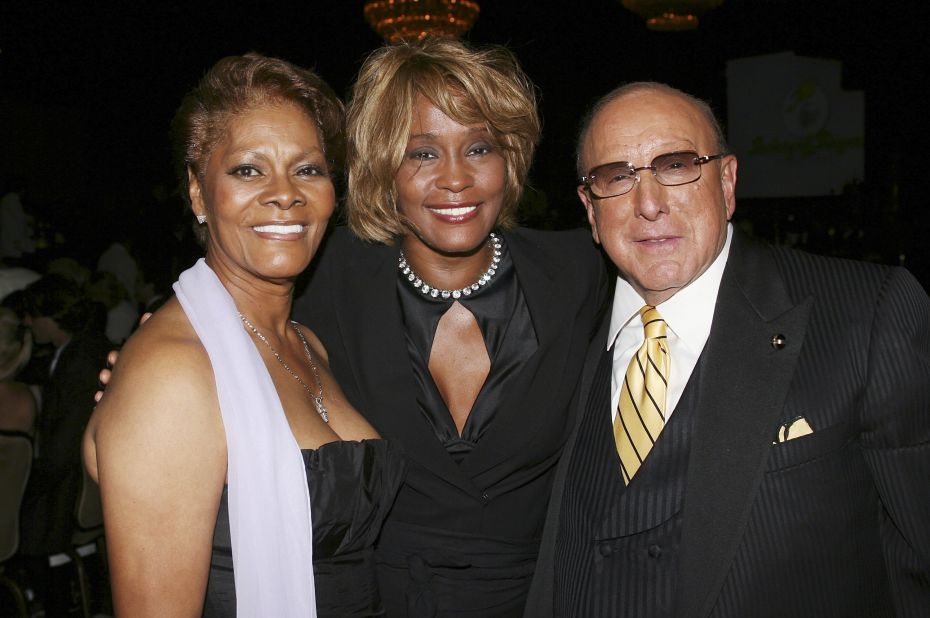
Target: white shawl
x,y
269,505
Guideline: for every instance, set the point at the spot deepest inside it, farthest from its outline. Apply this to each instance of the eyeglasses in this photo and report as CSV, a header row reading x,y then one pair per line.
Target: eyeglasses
x,y
670,169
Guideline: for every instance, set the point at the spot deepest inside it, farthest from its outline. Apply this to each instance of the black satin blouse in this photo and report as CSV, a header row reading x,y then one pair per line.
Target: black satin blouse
x,y
507,328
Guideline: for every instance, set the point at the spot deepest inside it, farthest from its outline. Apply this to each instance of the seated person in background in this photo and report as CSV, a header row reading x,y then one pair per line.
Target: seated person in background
x,y
122,314
118,261
17,404
59,313
70,269
35,371
13,278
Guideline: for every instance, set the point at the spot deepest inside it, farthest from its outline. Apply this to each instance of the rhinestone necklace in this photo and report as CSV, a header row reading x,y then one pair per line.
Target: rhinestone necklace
x,y
317,399
494,240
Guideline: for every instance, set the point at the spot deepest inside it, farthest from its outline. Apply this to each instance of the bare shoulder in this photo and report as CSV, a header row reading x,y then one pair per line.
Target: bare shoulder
x,y
165,343
17,407
161,363
16,393
162,392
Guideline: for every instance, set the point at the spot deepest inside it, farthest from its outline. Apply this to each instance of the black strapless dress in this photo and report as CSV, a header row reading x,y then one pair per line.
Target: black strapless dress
x,y
352,488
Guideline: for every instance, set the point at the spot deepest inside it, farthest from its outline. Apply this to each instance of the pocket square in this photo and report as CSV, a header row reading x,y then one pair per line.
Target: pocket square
x,y
795,428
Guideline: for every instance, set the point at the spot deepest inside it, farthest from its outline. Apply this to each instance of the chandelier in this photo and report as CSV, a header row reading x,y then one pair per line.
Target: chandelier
x,y
398,20
670,15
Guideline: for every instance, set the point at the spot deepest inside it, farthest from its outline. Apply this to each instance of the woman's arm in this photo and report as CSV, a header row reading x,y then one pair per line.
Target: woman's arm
x,y
156,444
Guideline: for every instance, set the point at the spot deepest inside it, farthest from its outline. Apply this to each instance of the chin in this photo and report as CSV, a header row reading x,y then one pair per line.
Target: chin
x,y
286,269
457,243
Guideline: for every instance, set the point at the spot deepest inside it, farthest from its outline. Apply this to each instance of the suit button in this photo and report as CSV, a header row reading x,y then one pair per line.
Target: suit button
x,y
484,497
606,549
655,551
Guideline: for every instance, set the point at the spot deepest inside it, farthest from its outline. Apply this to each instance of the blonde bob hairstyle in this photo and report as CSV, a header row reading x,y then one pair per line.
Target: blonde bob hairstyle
x,y
469,85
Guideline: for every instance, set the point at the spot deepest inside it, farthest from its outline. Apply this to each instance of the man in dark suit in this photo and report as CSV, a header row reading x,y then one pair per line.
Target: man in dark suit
x,y
753,432
59,314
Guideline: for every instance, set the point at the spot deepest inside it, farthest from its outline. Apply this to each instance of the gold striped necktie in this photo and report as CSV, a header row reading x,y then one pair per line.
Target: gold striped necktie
x,y
641,411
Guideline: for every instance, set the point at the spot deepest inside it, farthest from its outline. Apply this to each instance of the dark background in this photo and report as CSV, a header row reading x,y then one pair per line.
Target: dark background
x,y
87,90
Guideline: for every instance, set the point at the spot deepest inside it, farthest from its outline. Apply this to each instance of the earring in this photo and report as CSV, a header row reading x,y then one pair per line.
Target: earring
x,y
201,219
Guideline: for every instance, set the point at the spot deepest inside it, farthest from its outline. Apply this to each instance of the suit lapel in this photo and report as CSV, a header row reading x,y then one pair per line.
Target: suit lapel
x,y
537,282
541,592
380,360
591,362
743,389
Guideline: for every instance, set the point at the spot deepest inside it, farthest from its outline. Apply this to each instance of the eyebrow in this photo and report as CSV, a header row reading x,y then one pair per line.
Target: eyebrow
x,y
471,131
260,155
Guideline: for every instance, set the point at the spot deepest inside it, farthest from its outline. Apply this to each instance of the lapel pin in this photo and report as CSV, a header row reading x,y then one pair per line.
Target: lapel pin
x,y
778,341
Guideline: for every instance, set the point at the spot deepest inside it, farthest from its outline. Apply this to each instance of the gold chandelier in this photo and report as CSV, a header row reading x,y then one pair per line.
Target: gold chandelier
x,y
398,20
670,15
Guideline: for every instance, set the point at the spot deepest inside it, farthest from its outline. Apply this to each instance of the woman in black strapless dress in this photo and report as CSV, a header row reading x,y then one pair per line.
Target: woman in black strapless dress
x,y
236,478
352,487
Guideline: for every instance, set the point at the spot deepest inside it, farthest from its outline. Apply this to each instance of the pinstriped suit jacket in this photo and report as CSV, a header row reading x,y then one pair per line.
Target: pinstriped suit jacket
x,y
836,523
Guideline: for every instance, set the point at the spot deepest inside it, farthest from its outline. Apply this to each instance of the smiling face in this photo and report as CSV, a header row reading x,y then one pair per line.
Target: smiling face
x,y
267,194
660,238
451,183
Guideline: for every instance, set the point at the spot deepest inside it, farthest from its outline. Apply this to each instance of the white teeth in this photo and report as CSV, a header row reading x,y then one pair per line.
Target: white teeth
x,y
454,212
279,229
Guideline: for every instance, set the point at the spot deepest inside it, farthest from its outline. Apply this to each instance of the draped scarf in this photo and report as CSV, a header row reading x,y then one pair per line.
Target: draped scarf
x,y
269,502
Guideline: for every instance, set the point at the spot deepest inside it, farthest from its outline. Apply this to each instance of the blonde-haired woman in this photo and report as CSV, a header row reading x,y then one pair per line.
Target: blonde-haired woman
x,y
453,331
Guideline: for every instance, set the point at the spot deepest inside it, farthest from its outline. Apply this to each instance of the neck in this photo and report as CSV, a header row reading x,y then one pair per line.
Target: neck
x,y
266,303
446,271
60,338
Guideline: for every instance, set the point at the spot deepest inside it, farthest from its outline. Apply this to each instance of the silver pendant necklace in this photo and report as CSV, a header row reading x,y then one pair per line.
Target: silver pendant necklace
x,y
317,399
425,288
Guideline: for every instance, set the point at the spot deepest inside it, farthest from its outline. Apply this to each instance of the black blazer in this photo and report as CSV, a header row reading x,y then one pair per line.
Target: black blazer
x,y
830,524
502,488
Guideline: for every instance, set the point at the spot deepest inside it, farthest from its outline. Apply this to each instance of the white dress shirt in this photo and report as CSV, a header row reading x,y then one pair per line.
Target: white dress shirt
x,y
688,314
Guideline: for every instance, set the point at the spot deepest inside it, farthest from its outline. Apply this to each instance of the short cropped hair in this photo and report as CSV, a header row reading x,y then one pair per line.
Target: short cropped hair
x,y
469,85
636,87
238,84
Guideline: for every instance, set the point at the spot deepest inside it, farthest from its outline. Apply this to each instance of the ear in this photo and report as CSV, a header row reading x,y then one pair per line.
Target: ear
x,y
195,193
589,207
728,183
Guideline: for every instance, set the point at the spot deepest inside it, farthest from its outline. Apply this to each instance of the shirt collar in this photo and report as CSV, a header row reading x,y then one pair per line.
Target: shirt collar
x,y
689,312
57,355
